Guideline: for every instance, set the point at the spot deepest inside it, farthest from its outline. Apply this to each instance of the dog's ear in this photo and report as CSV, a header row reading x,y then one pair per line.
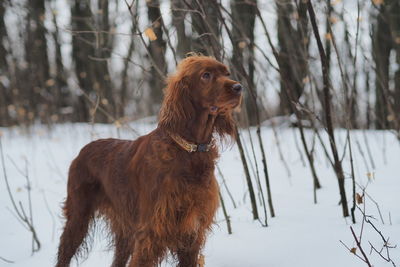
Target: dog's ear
x,y
177,107
225,126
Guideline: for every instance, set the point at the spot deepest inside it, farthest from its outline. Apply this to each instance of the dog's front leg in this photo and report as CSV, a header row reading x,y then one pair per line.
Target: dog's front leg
x,y
147,253
188,254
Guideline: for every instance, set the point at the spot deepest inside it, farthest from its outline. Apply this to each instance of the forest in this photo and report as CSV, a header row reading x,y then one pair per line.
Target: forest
x,y
321,99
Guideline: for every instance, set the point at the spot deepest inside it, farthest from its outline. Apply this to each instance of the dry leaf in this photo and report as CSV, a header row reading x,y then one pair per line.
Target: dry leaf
x,y
104,101
54,117
242,44
370,175
377,2
390,117
21,112
333,19
150,33
83,75
117,124
353,250
50,82
328,36
336,2
359,198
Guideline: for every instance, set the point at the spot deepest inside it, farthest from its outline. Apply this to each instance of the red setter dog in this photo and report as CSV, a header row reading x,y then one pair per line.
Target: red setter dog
x,y
157,193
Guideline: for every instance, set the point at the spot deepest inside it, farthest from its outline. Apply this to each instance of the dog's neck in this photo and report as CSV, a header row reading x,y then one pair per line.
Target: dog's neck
x,y
200,129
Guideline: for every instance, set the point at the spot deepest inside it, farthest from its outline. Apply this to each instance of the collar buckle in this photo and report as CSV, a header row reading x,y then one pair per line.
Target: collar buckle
x,y
203,147
190,147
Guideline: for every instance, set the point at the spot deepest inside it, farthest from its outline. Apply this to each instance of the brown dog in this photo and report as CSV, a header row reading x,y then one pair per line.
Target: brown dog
x,y
157,193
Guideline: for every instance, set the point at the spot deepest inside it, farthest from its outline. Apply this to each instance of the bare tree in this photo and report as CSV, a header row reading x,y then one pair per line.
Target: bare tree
x,y
157,49
90,52
293,52
5,100
205,25
178,20
38,96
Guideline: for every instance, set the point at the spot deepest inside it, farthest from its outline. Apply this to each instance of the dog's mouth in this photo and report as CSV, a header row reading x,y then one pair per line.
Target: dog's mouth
x,y
231,104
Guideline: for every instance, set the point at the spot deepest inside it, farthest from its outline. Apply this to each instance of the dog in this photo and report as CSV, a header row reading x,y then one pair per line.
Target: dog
x,y
157,193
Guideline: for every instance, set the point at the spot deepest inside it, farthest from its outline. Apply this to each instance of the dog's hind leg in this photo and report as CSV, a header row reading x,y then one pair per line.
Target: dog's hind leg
x,y
79,210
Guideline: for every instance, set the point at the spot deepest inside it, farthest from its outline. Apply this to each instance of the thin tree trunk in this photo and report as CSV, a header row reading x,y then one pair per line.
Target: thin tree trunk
x,y
178,20
91,50
61,92
381,53
157,52
40,98
243,17
206,27
293,53
100,62
328,114
227,218
124,75
5,100
394,19
248,179
82,46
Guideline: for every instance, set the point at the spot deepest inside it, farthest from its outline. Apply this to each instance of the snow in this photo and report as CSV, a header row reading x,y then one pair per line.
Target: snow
x,y
301,234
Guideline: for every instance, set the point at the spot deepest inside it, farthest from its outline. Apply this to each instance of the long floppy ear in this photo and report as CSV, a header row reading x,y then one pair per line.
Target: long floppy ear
x,y
225,126
177,107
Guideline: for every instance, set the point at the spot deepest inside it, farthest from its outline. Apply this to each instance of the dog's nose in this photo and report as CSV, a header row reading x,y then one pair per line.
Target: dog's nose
x,y
237,88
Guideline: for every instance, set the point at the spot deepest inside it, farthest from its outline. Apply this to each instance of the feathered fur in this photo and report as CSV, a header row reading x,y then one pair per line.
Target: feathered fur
x,y
155,196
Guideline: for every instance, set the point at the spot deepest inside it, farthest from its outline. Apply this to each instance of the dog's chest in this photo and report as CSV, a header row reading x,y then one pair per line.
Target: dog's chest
x,y
192,204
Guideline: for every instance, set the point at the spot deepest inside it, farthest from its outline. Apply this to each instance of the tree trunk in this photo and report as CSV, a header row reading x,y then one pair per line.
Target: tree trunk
x,y
157,52
328,113
394,18
178,20
61,92
5,93
381,52
82,46
243,17
40,97
293,53
102,54
205,27
90,52
124,75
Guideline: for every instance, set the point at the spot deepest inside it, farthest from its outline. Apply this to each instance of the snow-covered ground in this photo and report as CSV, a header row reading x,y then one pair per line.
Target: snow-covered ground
x,y
301,234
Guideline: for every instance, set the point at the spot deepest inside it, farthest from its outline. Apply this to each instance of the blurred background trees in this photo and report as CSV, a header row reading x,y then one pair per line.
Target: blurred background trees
x,y
103,61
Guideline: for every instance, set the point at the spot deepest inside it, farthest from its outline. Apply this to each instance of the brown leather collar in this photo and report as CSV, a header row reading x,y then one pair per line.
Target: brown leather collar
x,y
190,147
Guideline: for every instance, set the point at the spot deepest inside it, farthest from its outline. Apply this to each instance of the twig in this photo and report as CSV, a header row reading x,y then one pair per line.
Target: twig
x,y
228,221
4,259
20,211
328,114
365,258
226,187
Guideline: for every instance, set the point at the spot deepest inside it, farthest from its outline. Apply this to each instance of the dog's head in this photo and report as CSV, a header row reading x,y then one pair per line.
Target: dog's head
x,y
201,84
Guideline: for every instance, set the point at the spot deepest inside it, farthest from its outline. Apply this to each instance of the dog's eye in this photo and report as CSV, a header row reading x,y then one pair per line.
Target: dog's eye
x,y
228,74
206,76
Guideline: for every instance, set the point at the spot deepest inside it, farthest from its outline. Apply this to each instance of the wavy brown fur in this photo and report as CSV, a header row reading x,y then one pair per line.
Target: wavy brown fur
x,y
155,196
